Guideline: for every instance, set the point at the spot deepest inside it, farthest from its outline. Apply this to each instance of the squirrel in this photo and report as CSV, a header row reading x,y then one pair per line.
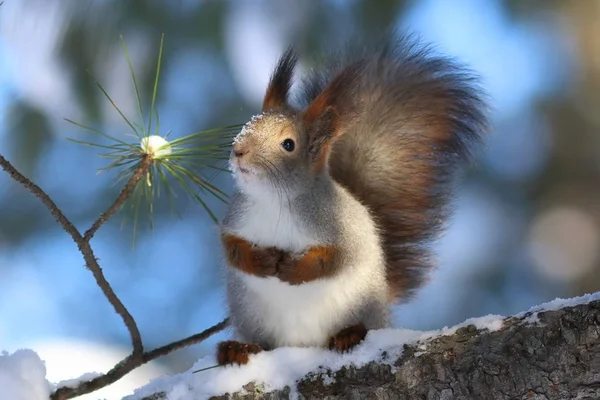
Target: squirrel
x,y
339,196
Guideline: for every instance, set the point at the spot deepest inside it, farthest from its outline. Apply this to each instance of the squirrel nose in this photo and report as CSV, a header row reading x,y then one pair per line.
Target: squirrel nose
x,y
239,151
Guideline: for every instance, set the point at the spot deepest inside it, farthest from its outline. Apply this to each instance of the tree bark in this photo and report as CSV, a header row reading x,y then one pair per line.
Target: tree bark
x,y
557,357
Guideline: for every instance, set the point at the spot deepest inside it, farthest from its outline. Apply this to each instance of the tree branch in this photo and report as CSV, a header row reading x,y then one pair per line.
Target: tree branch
x,y
139,173
180,344
85,249
553,355
46,200
92,264
137,356
130,363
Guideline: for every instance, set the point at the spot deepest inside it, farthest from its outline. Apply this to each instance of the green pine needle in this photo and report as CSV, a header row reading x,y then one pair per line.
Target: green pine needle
x,y
206,368
178,164
133,128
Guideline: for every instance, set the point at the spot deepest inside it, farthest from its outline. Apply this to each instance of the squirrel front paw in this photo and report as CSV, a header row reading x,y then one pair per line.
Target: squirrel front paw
x,y
265,260
348,338
316,263
233,352
242,255
287,268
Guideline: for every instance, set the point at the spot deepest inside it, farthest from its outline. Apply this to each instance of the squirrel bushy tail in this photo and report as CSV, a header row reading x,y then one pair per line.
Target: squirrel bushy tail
x,y
409,119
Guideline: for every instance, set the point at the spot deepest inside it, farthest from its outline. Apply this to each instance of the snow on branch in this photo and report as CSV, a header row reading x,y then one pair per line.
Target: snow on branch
x,y
551,351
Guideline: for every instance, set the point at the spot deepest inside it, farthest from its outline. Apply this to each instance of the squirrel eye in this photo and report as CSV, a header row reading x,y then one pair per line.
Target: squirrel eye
x,y
288,145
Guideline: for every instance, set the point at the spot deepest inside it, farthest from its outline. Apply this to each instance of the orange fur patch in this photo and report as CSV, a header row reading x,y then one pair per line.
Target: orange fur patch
x,y
259,261
317,108
318,262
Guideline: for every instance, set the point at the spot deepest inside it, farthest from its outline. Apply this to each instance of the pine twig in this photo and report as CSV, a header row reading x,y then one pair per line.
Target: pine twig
x,y
137,357
46,200
139,173
85,249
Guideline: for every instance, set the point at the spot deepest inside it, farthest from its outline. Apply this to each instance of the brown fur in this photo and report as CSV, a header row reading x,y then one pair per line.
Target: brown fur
x,y
233,352
259,261
348,338
280,82
391,123
406,122
317,262
322,120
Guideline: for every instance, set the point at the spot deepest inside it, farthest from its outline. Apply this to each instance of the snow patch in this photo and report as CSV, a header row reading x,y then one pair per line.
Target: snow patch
x,y
88,376
23,376
248,128
556,304
274,370
23,373
31,375
559,303
155,145
284,366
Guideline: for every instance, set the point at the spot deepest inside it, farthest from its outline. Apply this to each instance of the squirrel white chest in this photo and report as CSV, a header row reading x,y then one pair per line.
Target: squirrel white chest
x,y
269,223
290,315
267,310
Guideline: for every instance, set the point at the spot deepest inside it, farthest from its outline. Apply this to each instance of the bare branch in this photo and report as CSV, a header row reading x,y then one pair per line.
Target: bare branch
x,y
130,363
180,344
139,173
92,264
137,357
39,193
85,249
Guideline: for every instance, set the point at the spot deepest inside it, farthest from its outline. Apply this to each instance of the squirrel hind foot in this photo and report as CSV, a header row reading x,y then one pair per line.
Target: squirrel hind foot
x,y
233,352
348,338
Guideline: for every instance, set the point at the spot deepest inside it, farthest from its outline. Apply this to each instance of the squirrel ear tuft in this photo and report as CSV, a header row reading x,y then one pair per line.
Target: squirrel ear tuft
x,y
281,81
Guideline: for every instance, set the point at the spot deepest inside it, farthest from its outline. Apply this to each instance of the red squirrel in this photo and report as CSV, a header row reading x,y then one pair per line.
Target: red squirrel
x,y
339,197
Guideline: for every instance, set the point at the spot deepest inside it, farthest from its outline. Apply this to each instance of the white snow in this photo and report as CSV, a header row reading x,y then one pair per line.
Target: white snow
x,y
557,304
23,373
23,376
248,128
69,357
284,366
156,145
88,376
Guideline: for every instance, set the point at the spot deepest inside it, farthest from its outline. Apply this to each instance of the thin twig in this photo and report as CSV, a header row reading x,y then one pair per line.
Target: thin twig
x,y
137,356
180,344
130,363
128,320
38,192
139,173
85,249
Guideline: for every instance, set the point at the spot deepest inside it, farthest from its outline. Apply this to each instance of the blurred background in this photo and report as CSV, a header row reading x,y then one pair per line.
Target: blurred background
x,y
527,224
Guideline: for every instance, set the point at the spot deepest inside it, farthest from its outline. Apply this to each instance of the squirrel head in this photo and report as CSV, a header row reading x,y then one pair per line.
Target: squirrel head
x,y
284,149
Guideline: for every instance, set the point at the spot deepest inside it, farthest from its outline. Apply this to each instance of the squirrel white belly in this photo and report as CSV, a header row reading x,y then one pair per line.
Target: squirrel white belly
x,y
273,313
338,198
